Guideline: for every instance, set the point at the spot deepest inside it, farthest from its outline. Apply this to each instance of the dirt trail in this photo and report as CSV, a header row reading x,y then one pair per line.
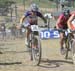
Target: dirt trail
x,y
15,57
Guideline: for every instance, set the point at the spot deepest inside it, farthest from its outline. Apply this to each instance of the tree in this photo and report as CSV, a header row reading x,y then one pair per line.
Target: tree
x,y
5,6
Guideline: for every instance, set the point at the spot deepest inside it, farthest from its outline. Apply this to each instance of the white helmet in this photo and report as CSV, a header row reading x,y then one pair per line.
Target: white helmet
x,y
34,7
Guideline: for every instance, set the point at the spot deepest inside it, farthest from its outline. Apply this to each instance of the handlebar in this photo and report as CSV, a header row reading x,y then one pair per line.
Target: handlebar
x,y
65,30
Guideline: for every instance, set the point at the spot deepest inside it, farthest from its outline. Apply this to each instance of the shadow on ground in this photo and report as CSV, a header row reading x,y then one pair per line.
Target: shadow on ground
x,y
14,52
12,63
53,63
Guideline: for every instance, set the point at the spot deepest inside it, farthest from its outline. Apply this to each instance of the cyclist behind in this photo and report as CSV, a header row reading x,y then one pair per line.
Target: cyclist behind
x,y
31,18
71,22
62,24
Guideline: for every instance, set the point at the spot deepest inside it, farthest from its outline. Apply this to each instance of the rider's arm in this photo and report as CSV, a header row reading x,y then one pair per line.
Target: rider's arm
x,y
70,20
59,21
24,16
42,17
22,19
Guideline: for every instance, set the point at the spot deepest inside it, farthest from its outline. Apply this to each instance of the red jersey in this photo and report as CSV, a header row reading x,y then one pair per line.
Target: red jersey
x,y
63,21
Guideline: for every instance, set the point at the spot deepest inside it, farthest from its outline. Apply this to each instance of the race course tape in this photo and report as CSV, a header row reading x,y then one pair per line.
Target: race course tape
x,y
49,33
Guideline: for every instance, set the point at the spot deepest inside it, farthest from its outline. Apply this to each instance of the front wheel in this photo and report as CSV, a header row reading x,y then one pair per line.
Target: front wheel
x,y
73,51
36,51
68,44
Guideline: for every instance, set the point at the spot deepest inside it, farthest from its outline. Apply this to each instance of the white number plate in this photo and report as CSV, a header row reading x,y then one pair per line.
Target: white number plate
x,y
34,28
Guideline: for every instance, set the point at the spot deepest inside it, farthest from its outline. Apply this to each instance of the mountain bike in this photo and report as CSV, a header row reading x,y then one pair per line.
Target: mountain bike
x,y
34,43
69,43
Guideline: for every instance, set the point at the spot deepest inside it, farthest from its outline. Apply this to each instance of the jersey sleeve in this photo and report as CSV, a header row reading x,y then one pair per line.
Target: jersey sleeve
x,y
39,14
60,20
61,17
26,13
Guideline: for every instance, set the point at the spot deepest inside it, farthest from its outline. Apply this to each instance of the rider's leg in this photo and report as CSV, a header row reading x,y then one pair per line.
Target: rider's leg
x,y
27,35
26,25
61,40
61,43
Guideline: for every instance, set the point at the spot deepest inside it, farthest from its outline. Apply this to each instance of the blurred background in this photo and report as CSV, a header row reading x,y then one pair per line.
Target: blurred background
x,y
12,10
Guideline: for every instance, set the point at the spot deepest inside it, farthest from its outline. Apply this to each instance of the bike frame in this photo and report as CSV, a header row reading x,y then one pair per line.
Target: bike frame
x,y
68,42
34,42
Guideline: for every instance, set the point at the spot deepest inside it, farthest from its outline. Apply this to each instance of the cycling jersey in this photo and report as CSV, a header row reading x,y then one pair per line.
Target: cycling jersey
x,y
63,21
31,17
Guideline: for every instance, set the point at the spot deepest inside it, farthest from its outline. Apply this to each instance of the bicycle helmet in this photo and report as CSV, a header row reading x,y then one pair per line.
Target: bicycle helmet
x,y
66,12
34,7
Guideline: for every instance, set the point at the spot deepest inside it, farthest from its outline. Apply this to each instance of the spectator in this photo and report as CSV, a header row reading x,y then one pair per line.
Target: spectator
x,y
13,30
3,30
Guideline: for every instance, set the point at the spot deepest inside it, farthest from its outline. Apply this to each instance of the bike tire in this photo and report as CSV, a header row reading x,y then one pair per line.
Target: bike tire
x,y
40,52
30,48
67,47
73,51
66,54
36,61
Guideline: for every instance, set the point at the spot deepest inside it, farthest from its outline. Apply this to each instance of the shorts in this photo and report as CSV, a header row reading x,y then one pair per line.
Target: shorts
x,y
63,26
